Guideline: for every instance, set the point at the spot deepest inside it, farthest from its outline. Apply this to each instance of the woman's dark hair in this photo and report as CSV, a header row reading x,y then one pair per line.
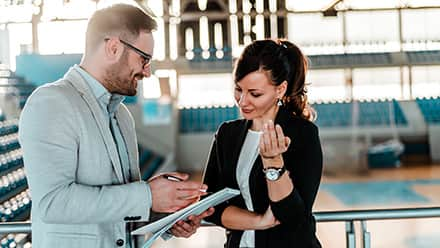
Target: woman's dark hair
x,y
283,61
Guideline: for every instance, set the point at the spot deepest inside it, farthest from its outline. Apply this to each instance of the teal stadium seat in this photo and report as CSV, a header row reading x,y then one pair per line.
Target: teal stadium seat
x,y
194,120
370,114
430,108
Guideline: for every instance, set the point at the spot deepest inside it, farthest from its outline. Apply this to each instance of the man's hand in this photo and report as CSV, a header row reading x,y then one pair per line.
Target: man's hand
x,y
170,196
187,228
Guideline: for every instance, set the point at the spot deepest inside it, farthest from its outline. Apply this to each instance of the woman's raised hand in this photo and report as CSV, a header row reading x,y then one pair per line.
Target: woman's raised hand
x,y
273,143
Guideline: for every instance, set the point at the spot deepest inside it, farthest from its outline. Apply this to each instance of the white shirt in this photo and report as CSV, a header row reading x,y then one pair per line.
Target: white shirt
x,y
248,154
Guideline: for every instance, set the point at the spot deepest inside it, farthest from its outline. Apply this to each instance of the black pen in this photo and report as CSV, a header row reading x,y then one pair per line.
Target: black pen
x,y
177,179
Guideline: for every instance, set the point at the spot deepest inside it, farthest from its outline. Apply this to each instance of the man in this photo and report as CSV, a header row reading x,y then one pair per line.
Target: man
x,y
80,147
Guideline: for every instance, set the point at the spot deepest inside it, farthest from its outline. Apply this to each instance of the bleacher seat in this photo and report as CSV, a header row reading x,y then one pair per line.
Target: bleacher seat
x,y
423,57
149,162
18,85
205,119
370,114
351,59
152,167
430,108
15,200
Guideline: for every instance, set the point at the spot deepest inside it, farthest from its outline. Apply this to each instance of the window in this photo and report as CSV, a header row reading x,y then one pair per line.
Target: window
x,y
205,90
426,81
376,83
326,85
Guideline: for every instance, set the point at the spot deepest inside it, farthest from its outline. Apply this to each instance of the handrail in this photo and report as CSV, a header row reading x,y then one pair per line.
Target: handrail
x,y
15,227
325,216
372,214
377,214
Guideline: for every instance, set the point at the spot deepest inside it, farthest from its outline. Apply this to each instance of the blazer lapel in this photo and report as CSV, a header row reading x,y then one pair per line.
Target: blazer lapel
x,y
131,143
242,132
81,86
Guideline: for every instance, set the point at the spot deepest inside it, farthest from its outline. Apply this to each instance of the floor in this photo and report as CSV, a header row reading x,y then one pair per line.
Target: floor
x,y
407,187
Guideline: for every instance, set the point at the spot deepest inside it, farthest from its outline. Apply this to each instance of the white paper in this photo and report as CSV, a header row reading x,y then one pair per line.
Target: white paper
x,y
158,227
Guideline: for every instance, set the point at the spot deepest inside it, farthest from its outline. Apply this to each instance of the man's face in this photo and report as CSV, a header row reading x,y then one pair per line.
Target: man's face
x,y
124,75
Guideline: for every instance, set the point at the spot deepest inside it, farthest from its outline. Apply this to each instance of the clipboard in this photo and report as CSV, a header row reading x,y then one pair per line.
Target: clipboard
x,y
159,227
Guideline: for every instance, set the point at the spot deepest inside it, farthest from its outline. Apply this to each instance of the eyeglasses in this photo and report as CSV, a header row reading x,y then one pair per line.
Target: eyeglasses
x,y
145,56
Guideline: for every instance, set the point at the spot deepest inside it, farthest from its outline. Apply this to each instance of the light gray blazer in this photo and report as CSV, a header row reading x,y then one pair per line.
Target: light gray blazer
x,y
73,169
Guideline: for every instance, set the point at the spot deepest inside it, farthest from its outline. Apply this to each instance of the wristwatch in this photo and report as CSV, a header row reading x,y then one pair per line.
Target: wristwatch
x,y
274,173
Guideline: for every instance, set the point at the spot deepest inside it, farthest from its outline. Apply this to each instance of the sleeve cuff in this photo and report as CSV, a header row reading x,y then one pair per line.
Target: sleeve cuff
x,y
289,207
142,192
149,203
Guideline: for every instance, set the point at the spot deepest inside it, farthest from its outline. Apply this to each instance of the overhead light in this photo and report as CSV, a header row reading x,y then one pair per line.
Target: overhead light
x,y
232,6
259,6
173,38
204,36
273,6
202,4
189,43
259,27
175,7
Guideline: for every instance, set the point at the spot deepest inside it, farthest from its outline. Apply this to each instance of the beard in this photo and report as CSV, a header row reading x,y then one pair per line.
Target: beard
x,y
120,80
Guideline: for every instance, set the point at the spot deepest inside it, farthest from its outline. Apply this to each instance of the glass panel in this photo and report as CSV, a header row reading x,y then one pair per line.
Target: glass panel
x,y
68,9
70,37
205,90
326,85
301,5
364,36
362,4
420,29
20,40
16,13
316,34
376,83
426,81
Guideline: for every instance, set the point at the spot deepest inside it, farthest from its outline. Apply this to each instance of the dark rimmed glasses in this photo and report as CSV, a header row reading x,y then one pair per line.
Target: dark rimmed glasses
x,y
145,56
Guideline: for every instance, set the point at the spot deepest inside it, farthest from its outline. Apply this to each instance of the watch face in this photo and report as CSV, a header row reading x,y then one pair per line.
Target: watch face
x,y
272,174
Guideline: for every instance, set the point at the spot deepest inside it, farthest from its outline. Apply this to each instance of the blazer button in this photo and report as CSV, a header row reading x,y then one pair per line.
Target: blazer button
x,y
119,242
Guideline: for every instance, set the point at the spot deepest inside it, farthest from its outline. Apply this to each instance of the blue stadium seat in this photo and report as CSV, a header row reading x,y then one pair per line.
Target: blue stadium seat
x,y
370,114
423,56
149,162
205,119
430,108
152,167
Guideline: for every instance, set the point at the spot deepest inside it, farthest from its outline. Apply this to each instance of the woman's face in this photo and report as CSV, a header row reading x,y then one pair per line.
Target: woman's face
x,y
256,96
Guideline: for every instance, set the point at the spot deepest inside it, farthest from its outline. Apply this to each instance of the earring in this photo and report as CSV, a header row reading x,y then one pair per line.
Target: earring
x,y
280,102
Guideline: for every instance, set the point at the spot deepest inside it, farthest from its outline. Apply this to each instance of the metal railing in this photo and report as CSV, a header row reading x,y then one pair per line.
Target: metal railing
x,y
349,217
15,227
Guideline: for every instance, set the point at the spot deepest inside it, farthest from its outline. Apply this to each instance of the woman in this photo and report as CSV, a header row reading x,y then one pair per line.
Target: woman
x,y
273,155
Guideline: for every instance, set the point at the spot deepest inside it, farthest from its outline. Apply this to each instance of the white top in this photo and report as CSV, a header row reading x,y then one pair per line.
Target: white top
x,y
248,154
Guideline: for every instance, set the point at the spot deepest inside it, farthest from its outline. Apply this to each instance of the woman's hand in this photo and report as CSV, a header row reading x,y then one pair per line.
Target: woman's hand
x,y
273,144
267,220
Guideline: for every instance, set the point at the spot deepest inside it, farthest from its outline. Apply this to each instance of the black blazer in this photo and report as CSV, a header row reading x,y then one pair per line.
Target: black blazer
x,y
303,160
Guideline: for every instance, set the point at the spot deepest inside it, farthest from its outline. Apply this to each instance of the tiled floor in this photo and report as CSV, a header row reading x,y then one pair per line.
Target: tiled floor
x,y
410,187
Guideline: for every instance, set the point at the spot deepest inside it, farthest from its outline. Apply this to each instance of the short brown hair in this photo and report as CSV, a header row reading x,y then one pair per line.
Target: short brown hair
x,y
122,20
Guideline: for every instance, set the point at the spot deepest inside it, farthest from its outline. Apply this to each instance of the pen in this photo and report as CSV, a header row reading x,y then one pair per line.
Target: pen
x,y
172,178
176,179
